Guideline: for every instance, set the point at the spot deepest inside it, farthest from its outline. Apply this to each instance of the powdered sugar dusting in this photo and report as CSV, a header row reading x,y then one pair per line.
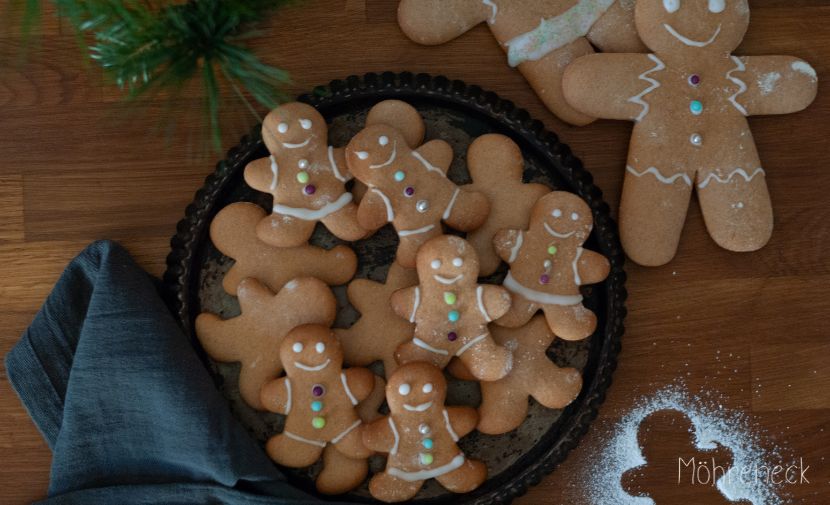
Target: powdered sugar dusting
x,y
713,426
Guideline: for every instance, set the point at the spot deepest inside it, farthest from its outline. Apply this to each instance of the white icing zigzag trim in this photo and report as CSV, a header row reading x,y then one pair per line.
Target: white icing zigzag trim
x,y
448,425
394,449
429,166
416,304
275,172
406,233
654,84
514,251
455,463
738,171
575,266
348,391
345,432
660,177
304,440
390,212
423,345
334,168
740,67
494,7
314,215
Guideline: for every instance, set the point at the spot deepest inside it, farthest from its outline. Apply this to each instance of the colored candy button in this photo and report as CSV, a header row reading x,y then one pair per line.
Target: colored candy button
x,y
427,443
450,298
453,316
424,429
694,79
400,175
318,422
317,406
452,336
426,459
696,107
409,191
544,279
552,250
318,390
302,177
310,189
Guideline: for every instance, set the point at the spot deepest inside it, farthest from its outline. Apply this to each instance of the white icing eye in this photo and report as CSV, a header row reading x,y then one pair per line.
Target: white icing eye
x,y
671,5
297,347
574,217
282,127
363,155
435,264
457,262
717,6
320,347
383,140
305,123
427,388
404,389
556,213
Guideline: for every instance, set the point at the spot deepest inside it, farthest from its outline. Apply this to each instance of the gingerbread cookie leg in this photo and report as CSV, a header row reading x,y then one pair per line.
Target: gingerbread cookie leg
x,y
736,207
409,245
487,361
350,443
521,310
570,322
340,474
652,212
279,230
467,210
465,478
390,489
289,450
568,380
343,224
502,404
416,350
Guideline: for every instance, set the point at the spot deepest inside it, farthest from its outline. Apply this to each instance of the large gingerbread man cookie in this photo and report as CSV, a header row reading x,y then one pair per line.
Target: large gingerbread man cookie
x,y
451,311
504,402
379,331
540,37
496,166
548,265
253,338
420,435
233,232
690,99
306,177
318,398
410,189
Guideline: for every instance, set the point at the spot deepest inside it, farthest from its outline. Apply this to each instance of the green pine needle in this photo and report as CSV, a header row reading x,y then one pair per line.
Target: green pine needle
x,y
151,48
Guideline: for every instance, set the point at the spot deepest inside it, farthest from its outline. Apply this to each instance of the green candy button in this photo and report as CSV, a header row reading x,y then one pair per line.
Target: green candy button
x,y
450,298
426,459
302,177
318,422
552,250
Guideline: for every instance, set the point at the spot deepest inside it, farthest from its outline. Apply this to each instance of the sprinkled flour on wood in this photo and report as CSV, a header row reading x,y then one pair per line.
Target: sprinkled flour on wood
x,y
713,426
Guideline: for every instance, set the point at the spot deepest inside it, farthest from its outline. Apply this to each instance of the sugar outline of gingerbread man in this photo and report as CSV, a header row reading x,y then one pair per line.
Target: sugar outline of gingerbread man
x,y
656,191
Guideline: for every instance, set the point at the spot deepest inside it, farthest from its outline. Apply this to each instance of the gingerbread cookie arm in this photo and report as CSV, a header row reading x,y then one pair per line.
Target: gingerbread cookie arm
x,y
592,267
774,84
615,31
462,420
433,22
613,86
435,155
405,302
375,210
494,301
215,335
261,175
276,396
507,244
359,382
378,435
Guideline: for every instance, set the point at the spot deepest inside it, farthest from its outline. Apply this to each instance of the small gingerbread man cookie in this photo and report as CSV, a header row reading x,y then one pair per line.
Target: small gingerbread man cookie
x,y
496,166
318,398
306,177
689,100
410,189
451,311
233,232
504,402
420,435
253,338
379,331
548,265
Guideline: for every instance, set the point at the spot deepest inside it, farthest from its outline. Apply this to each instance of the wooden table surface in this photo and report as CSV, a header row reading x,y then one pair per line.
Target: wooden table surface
x,y
749,328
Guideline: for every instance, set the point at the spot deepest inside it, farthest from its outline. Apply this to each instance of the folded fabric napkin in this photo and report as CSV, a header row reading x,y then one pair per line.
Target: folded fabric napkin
x,y
129,411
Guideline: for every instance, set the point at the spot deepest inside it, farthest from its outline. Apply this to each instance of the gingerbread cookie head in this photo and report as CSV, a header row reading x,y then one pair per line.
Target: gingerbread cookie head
x,y
416,388
447,261
373,149
562,215
685,27
310,348
294,126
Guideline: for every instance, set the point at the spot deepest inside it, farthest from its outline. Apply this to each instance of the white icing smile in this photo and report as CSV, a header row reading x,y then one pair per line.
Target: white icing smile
x,y
308,368
296,146
448,281
689,42
556,233
391,157
418,408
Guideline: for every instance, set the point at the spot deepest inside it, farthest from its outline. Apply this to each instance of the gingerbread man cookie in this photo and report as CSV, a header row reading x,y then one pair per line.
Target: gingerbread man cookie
x,y
410,189
540,37
379,331
233,232
451,311
318,398
253,338
496,166
689,100
420,436
504,402
548,265
306,177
